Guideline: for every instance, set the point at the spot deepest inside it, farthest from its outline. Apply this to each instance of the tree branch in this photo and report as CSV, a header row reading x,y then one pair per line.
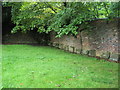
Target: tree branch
x,y
50,6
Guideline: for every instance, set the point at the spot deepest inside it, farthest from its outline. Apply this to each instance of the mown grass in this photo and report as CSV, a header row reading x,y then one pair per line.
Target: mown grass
x,y
26,66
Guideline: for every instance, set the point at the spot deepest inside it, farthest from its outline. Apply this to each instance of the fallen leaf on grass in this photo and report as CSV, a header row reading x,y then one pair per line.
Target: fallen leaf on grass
x,y
70,79
21,83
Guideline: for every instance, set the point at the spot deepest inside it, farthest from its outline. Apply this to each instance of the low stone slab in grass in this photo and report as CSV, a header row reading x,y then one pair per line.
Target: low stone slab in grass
x,y
71,49
105,55
115,57
86,52
92,53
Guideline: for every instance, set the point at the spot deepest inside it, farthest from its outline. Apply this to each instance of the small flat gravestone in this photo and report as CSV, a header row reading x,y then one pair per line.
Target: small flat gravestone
x,y
105,55
92,53
86,52
115,57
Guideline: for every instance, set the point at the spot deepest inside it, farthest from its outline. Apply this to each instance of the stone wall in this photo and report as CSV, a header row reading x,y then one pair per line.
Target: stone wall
x,y
18,38
31,37
100,41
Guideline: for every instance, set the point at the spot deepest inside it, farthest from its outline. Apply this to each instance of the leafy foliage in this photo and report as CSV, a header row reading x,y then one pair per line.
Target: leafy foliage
x,y
61,17
115,9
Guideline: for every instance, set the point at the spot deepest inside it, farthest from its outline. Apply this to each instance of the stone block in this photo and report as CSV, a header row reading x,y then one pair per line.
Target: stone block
x,y
77,51
64,47
105,55
67,47
92,53
54,44
61,46
57,45
86,52
115,57
71,49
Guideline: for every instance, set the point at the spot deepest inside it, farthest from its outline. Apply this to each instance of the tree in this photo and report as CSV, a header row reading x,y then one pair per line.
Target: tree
x,y
61,17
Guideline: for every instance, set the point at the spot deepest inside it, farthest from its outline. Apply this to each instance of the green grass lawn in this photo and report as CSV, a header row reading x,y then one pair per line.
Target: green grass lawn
x,y
27,66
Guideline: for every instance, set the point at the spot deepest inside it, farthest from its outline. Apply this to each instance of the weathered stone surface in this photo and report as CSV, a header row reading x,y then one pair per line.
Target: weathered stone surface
x,y
92,53
77,51
49,43
115,57
54,44
71,49
61,46
67,47
105,55
64,47
57,45
86,52
102,38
